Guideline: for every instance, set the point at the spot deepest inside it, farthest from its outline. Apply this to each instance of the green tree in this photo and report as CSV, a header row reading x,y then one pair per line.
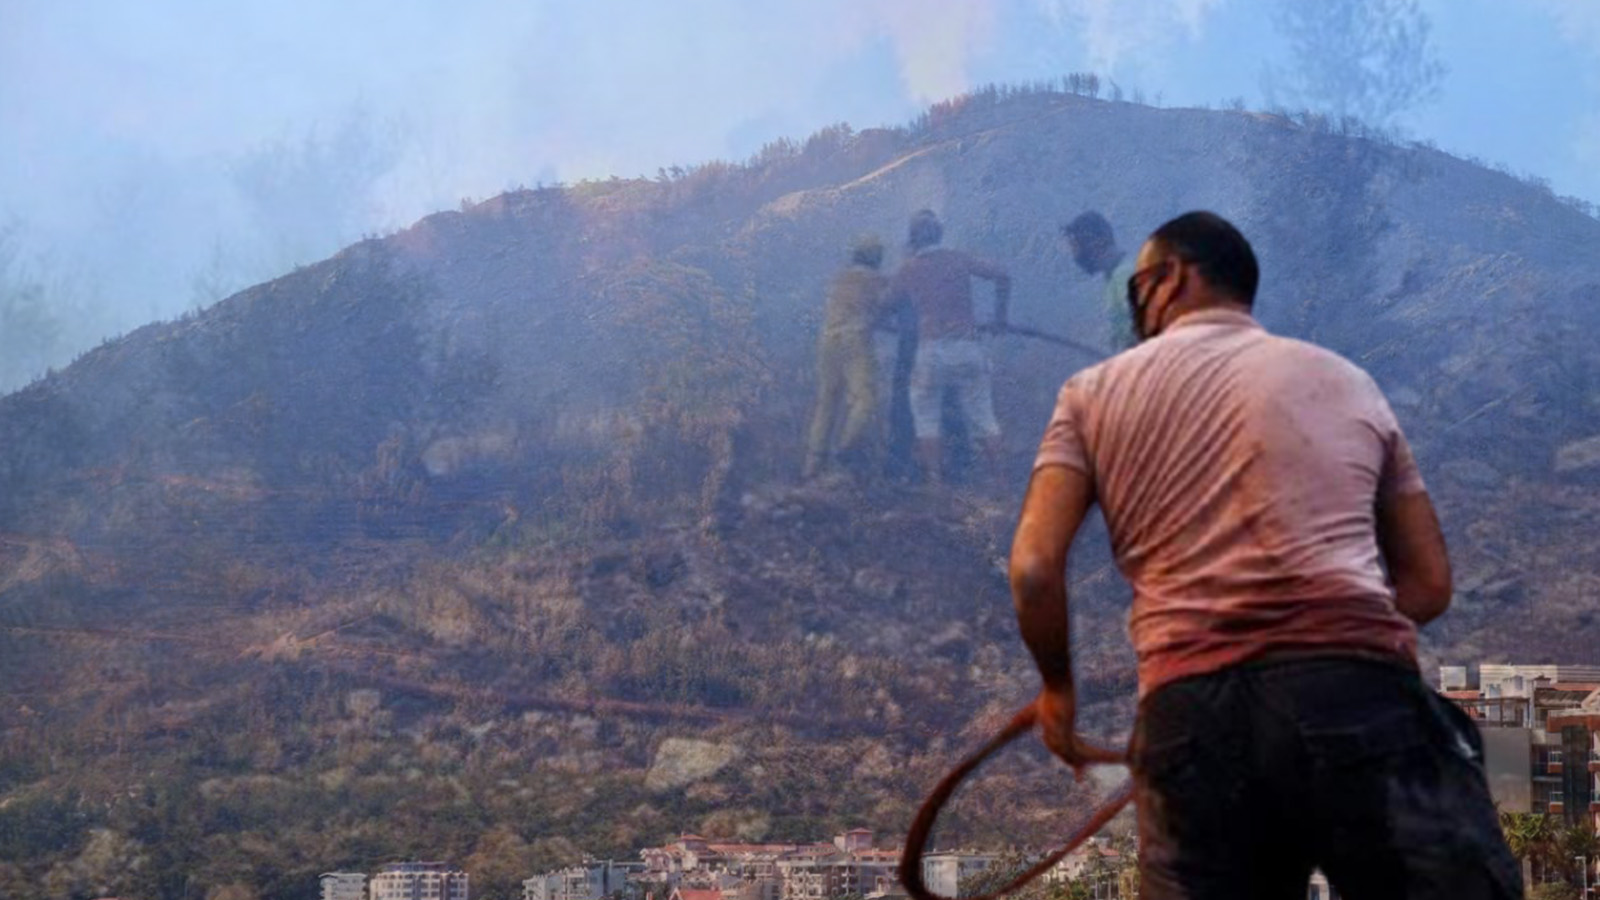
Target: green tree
x,y
1553,890
499,861
1576,842
1073,889
1532,838
1126,844
14,882
997,875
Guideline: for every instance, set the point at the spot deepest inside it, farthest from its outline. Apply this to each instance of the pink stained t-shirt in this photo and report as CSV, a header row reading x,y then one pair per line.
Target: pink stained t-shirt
x,y
1239,472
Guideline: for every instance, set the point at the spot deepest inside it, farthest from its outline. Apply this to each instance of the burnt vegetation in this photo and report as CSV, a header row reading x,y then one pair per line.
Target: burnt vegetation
x,y
426,549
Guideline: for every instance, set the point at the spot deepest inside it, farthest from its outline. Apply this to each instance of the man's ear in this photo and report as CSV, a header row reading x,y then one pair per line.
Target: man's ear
x,y
1180,279
1174,281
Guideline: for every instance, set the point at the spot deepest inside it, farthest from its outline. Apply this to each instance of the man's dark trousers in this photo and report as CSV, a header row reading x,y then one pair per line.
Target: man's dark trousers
x,y
1250,777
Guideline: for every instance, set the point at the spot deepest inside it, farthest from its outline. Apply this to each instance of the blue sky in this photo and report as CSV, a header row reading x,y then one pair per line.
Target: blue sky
x,y
127,124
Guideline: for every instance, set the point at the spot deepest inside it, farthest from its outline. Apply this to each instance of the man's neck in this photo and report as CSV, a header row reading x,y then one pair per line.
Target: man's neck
x,y
1109,262
1212,303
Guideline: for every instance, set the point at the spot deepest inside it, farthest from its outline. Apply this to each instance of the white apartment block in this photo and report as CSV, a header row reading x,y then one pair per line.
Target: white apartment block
x,y
849,866
810,875
419,881
1502,681
343,886
696,868
590,880
944,872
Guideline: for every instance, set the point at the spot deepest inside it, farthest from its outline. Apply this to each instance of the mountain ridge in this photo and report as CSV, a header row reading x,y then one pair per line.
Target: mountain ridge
x,y
449,534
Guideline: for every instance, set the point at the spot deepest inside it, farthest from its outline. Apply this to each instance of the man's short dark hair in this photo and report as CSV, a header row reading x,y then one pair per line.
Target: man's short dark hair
x,y
925,230
1088,228
1216,248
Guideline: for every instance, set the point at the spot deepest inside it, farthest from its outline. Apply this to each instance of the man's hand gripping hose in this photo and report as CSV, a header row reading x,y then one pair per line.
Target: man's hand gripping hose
x,y
1020,724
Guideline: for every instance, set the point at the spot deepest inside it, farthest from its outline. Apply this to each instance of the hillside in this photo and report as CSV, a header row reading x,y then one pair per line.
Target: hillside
x,y
482,540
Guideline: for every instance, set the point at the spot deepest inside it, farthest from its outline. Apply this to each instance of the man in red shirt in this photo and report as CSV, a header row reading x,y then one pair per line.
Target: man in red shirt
x,y
1265,506
936,283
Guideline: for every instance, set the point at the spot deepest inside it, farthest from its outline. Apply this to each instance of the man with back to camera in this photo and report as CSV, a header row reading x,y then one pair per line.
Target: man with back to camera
x,y
936,283
1264,504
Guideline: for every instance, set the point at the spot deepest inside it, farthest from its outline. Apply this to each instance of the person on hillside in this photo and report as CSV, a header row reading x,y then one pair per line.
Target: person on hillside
x,y
1264,504
845,425
897,352
935,283
1093,246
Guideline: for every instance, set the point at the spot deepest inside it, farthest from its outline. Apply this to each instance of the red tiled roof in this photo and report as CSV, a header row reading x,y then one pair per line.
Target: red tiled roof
x,y
1462,695
699,894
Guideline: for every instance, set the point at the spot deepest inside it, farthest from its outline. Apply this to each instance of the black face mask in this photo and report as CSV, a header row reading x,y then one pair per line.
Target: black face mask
x,y
1136,300
1136,317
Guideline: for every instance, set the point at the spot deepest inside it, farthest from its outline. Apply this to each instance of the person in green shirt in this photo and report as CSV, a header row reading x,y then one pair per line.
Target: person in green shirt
x,y
1093,246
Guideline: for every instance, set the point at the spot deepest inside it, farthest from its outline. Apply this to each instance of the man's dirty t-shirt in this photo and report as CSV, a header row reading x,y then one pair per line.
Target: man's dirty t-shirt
x,y
1239,472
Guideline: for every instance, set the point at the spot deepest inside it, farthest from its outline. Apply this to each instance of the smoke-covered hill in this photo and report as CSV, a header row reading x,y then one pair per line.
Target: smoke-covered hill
x,y
482,540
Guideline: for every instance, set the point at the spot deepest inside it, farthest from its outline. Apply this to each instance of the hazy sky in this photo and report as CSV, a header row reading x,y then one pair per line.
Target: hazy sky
x,y
131,129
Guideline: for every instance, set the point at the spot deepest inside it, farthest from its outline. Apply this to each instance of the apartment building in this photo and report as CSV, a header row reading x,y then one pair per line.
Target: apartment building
x,y
944,872
822,875
1577,763
729,887
343,885
854,841
1095,863
1538,742
692,865
692,853
589,880
811,874
419,881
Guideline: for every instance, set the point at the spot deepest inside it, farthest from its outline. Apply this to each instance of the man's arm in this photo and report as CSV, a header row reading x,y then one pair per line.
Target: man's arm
x,y
1414,553
1057,501
1002,288
1002,300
